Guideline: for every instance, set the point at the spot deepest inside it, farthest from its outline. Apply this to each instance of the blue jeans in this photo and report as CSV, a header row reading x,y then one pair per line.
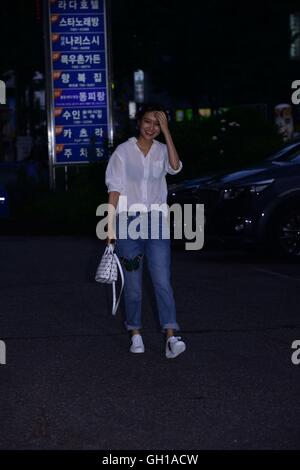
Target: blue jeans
x,y
157,252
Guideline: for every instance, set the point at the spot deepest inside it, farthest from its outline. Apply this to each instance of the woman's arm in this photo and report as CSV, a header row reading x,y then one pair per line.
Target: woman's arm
x,y
114,180
113,199
172,152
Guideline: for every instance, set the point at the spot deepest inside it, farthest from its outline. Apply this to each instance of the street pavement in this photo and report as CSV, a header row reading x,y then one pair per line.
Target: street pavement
x,y
70,382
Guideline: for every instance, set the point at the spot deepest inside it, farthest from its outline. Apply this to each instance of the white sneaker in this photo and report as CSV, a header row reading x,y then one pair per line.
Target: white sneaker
x,y
137,345
174,347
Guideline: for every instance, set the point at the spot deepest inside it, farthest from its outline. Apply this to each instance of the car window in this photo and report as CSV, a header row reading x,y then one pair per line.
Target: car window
x,y
286,154
296,159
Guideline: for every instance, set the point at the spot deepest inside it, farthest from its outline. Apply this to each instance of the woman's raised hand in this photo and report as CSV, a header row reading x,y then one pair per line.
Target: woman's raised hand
x,y
163,121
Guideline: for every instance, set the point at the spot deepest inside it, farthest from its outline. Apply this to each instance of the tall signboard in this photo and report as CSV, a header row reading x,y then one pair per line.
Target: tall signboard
x,y
78,81
295,36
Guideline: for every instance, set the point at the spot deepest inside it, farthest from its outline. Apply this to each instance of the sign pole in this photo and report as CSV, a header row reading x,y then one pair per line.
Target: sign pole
x,y
109,68
49,93
66,179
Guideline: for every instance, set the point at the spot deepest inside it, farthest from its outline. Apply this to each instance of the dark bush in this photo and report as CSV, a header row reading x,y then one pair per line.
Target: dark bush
x,y
236,138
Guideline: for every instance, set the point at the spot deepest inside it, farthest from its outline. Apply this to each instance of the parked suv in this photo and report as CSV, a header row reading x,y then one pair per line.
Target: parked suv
x,y
255,205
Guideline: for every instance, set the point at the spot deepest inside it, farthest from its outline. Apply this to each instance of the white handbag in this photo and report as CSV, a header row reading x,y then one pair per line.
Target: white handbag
x,y
107,272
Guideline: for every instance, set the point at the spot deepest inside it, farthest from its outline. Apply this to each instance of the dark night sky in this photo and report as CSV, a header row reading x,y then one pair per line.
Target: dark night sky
x,y
225,50
222,50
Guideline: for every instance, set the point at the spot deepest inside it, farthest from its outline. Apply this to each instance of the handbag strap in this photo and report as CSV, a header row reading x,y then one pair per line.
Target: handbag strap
x,y
116,303
110,248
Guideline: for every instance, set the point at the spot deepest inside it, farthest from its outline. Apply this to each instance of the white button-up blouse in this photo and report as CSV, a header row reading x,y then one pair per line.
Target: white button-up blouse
x,y
142,179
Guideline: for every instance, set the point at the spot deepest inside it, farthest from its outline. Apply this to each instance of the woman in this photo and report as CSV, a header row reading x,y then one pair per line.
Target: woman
x,y
137,170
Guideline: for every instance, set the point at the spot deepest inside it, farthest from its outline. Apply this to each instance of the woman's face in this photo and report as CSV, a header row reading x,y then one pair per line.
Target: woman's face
x,y
149,126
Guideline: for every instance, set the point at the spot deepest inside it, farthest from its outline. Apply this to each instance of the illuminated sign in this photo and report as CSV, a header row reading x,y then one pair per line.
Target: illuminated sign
x,y
295,36
139,86
204,112
79,110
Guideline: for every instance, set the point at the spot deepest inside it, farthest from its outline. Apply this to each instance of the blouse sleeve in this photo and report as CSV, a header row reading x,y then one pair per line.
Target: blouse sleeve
x,y
168,168
114,175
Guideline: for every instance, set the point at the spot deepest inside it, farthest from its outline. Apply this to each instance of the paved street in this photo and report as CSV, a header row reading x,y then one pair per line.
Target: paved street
x,y
71,383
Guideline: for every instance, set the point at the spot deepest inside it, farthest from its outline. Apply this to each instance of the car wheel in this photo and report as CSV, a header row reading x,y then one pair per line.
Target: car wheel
x,y
286,233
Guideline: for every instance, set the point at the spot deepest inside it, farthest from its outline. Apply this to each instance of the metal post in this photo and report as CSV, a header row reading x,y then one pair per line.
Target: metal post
x,y
49,93
109,68
53,176
66,179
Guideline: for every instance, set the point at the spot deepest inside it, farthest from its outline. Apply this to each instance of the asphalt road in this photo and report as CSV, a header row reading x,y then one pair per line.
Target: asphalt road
x,y
71,383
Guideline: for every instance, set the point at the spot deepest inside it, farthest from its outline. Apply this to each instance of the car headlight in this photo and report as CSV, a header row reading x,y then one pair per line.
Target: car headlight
x,y
255,188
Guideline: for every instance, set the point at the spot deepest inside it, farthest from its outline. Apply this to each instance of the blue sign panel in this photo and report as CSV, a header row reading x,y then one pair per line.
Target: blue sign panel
x,y
76,153
78,42
76,6
83,23
90,98
79,80
86,79
78,60
80,116
79,134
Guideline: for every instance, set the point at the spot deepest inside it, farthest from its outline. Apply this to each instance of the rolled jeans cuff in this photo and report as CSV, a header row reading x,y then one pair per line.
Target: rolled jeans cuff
x,y
132,327
173,326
